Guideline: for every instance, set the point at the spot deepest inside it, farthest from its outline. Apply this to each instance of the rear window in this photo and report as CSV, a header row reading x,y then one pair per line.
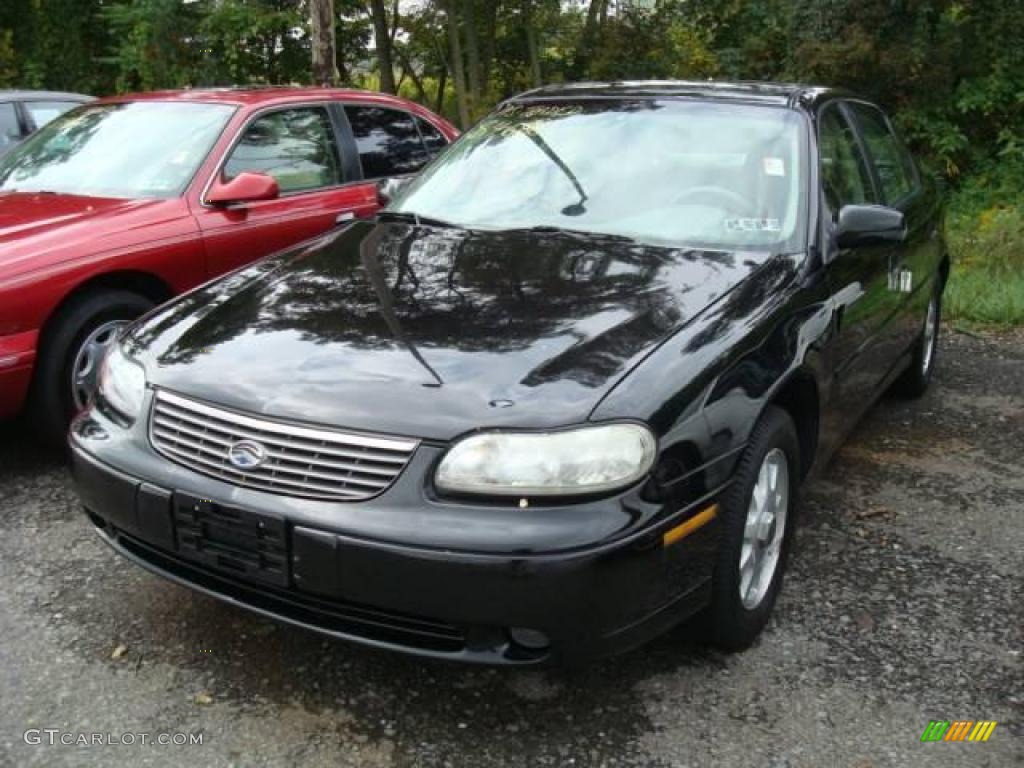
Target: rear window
x,y
434,140
892,162
388,141
42,112
10,130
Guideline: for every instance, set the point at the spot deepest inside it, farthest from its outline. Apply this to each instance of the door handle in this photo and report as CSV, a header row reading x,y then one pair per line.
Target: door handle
x,y
341,218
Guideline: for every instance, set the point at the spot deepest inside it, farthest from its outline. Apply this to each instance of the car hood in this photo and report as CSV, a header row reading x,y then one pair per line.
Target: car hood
x,y
38,229
431,332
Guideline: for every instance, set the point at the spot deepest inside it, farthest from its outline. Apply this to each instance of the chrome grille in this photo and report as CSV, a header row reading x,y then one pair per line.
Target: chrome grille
x,y
300,461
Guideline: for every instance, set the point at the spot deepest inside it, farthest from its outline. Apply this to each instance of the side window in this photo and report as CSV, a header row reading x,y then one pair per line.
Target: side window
x,y
893,164
10,130
434,140
388,142
844,174
295,146
43,112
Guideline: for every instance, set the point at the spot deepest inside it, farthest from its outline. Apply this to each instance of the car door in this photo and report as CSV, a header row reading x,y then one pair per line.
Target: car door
x,y
858,277
912,262
320,186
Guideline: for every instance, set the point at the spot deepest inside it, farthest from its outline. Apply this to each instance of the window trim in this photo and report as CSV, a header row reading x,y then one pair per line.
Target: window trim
x,y
916,187
256,115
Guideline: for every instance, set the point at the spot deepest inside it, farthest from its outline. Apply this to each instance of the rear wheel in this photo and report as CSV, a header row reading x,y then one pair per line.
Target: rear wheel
x,y
70,356
915,380
757,528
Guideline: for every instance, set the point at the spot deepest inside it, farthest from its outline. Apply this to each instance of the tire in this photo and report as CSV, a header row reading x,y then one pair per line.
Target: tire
x,y
735,621
914,381
52,399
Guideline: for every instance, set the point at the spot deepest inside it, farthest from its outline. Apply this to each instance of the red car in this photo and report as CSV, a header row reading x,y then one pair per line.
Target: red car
x,y
119,205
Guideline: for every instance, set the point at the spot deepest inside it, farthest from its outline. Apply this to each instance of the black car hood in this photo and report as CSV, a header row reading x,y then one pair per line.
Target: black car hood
x,y
431,332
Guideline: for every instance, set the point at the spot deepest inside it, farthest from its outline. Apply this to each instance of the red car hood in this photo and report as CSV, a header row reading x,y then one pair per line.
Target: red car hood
x,y
41,229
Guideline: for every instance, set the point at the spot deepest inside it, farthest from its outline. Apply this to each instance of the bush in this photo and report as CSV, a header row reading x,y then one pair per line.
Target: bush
x,y
986,241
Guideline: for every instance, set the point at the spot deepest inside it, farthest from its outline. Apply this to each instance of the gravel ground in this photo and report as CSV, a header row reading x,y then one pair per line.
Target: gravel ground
x,y
902,605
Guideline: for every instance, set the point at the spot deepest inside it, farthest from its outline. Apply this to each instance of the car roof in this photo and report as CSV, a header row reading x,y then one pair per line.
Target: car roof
x,y
13,95
258,95
746,91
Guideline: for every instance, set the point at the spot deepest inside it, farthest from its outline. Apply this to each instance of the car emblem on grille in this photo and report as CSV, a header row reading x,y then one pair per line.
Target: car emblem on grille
x,y
247,454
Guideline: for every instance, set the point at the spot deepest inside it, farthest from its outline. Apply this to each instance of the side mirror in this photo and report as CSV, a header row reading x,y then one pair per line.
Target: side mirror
x,y
244,188
869,225
389,187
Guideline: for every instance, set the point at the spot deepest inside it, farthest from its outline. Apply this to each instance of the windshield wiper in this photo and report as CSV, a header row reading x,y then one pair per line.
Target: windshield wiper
x,y
552,229
415,218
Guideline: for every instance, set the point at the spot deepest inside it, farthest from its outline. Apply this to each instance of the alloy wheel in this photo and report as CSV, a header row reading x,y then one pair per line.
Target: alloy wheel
x,y
930,335
764,529
85,368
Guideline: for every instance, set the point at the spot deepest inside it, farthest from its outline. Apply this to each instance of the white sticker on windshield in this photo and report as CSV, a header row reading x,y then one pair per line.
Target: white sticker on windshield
x,y
752,225
773,166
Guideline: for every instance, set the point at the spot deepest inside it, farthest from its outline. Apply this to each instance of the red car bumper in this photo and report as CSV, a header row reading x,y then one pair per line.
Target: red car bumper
x,y
17,355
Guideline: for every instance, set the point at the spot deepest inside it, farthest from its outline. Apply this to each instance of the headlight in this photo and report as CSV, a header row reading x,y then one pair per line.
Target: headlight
x,y
576,461
122,383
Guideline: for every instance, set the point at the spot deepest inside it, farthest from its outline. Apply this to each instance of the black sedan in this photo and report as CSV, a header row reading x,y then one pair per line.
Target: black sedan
x,y
557,397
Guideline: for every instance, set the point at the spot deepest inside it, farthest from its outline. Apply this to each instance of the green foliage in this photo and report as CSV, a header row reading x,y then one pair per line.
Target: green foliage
x,y
985,232
155,43
951,71
253,41
8,61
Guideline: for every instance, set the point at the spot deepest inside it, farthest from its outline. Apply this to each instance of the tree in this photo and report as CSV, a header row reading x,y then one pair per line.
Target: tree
x,y
382,40
457,68
325,66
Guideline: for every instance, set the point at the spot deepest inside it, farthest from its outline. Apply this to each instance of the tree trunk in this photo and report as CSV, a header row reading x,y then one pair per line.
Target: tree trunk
x,y
489,43
589,33
593,13
442,81
408,69
472,52
458,71
531,46
325,67
382,39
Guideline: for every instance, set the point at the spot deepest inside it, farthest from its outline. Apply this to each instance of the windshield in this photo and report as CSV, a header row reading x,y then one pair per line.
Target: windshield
x,y
667,172
134,150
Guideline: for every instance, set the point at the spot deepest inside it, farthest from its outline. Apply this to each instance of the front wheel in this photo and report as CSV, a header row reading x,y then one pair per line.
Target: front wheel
x,y
70,355
757,528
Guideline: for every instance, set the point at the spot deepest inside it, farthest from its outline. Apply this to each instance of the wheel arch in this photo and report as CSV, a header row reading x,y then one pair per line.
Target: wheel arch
x,y
145,284
799,396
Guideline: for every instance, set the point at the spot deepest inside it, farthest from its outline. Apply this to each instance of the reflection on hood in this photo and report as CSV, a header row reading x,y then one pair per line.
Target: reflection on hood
x,y
433,322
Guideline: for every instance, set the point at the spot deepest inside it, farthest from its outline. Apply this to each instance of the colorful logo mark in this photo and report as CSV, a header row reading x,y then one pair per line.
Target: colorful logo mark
x,y
958,730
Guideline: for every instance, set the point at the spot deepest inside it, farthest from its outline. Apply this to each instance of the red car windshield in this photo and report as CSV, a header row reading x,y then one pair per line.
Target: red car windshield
x,y
139,149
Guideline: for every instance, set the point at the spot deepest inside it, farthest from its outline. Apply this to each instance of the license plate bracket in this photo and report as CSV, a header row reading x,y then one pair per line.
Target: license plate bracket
x,y
249,545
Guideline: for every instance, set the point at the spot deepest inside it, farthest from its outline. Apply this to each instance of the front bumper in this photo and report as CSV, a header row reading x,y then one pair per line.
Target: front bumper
x,y
426,591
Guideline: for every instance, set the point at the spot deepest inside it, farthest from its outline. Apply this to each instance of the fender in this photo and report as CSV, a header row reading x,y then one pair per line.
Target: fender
x,y
722,370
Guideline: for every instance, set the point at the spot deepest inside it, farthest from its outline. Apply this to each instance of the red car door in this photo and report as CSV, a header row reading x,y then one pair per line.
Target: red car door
x,y
320,187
